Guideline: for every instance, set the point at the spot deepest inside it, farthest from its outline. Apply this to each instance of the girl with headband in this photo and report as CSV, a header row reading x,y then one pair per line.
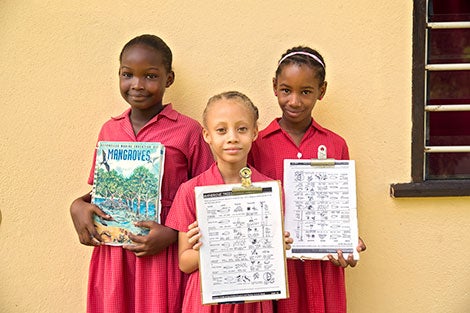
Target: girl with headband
x,y
314,286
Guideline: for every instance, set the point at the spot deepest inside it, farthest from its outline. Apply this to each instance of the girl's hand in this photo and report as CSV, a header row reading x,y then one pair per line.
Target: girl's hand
x,y
194,235
361,246
82,212
288,240
188,249
158,239
341,261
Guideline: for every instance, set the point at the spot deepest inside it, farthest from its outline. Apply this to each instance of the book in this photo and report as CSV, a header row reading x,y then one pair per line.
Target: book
x,y
321,209
242,257
127,186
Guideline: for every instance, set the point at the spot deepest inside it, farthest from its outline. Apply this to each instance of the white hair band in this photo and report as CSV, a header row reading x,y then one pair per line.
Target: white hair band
x,y
313,56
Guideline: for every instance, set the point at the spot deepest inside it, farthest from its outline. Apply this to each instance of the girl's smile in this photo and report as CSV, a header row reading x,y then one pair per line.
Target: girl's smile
x,y
232,150
138,97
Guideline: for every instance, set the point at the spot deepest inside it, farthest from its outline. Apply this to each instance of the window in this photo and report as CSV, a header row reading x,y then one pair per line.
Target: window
x,y
441,100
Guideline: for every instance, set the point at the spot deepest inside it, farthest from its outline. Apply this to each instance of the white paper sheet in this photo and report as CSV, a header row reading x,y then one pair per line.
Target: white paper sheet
x,y
242,257
321,210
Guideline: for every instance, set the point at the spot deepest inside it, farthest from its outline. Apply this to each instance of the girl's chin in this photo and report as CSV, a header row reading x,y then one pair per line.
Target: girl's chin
x,y
233,159
293,118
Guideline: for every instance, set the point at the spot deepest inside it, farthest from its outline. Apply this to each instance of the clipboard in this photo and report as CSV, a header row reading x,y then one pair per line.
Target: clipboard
x,y
321,207
242,256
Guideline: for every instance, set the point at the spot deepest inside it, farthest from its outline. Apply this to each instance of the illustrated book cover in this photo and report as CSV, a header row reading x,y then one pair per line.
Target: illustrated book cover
x,y
321,209
127,186
242,257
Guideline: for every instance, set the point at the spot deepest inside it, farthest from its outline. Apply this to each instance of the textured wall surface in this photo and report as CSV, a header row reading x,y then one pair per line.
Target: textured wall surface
x,y
58,78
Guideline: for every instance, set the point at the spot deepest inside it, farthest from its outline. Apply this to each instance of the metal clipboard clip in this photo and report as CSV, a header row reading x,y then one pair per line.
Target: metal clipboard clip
x,y
246,187
322,160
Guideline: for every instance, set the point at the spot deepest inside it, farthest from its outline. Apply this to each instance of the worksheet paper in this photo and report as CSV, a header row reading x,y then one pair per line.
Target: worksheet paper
x,y
242,257
321,210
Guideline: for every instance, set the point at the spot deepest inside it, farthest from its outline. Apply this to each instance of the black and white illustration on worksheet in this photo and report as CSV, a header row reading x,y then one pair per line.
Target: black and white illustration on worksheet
x,y
242,257
321,210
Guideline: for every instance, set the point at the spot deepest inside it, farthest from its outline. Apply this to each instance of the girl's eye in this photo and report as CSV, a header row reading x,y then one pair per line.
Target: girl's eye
x,y
306,92
220,130
243,129
126,74
151,76
285,91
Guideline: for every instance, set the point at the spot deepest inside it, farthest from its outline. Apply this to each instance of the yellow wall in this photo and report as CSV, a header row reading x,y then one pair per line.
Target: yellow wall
x,y
58,81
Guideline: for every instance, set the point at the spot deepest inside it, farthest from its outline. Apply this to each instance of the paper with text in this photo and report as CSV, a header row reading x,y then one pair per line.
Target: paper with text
x,y
321,210
242,257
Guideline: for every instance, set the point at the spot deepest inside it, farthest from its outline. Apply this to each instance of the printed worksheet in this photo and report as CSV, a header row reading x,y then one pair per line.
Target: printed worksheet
x,y
321,210
242,257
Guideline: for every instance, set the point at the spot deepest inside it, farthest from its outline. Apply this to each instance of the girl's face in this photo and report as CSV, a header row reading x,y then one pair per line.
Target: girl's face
x,y
230,131
297,89
143,78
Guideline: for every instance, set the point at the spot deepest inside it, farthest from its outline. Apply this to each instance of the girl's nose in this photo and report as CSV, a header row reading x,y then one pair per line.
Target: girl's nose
x,y
294,100
232,136
137,83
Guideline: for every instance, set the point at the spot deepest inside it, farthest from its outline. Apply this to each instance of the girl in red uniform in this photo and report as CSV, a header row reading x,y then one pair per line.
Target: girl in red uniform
x,y
230,126
143,277
314,286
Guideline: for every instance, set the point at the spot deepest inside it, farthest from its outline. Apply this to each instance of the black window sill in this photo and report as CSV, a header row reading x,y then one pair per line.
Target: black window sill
x,y
434,188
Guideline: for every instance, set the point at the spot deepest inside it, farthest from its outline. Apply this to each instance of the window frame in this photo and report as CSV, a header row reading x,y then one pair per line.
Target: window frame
x,y
419,187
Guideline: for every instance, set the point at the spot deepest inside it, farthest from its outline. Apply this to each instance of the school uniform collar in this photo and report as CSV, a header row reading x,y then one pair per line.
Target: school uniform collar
x,y
215,175
167,112
274,127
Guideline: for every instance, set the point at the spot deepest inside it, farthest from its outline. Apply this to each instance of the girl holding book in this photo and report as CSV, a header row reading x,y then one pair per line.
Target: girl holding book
x,y
143,277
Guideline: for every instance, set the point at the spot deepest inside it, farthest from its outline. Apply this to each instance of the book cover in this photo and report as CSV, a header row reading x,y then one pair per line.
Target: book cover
x,y
127,186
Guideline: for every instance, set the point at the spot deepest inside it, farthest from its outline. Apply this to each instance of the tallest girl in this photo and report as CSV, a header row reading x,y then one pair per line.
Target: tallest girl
x,y
143,277
314,286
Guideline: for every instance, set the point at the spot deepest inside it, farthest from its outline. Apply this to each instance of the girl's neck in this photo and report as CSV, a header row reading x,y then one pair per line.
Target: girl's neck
x,y
139,118
231,172
296,128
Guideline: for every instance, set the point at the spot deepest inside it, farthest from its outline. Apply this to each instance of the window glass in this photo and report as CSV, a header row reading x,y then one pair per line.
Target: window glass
x,y
448,129
449,87
449,10
449,46
448,165
451,128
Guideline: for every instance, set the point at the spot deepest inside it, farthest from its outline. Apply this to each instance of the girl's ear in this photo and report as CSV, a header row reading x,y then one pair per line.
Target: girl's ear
x,y
275,86
206,136
322,90
255,133
170,79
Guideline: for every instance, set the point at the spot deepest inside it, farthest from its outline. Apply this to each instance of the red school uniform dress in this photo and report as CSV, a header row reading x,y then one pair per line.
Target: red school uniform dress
x,y
314,286
183,213
120,282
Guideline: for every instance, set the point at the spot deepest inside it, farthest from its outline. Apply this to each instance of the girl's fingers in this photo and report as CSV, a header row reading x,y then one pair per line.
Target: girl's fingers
x,y
351,260
197,246
192,225
192,232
